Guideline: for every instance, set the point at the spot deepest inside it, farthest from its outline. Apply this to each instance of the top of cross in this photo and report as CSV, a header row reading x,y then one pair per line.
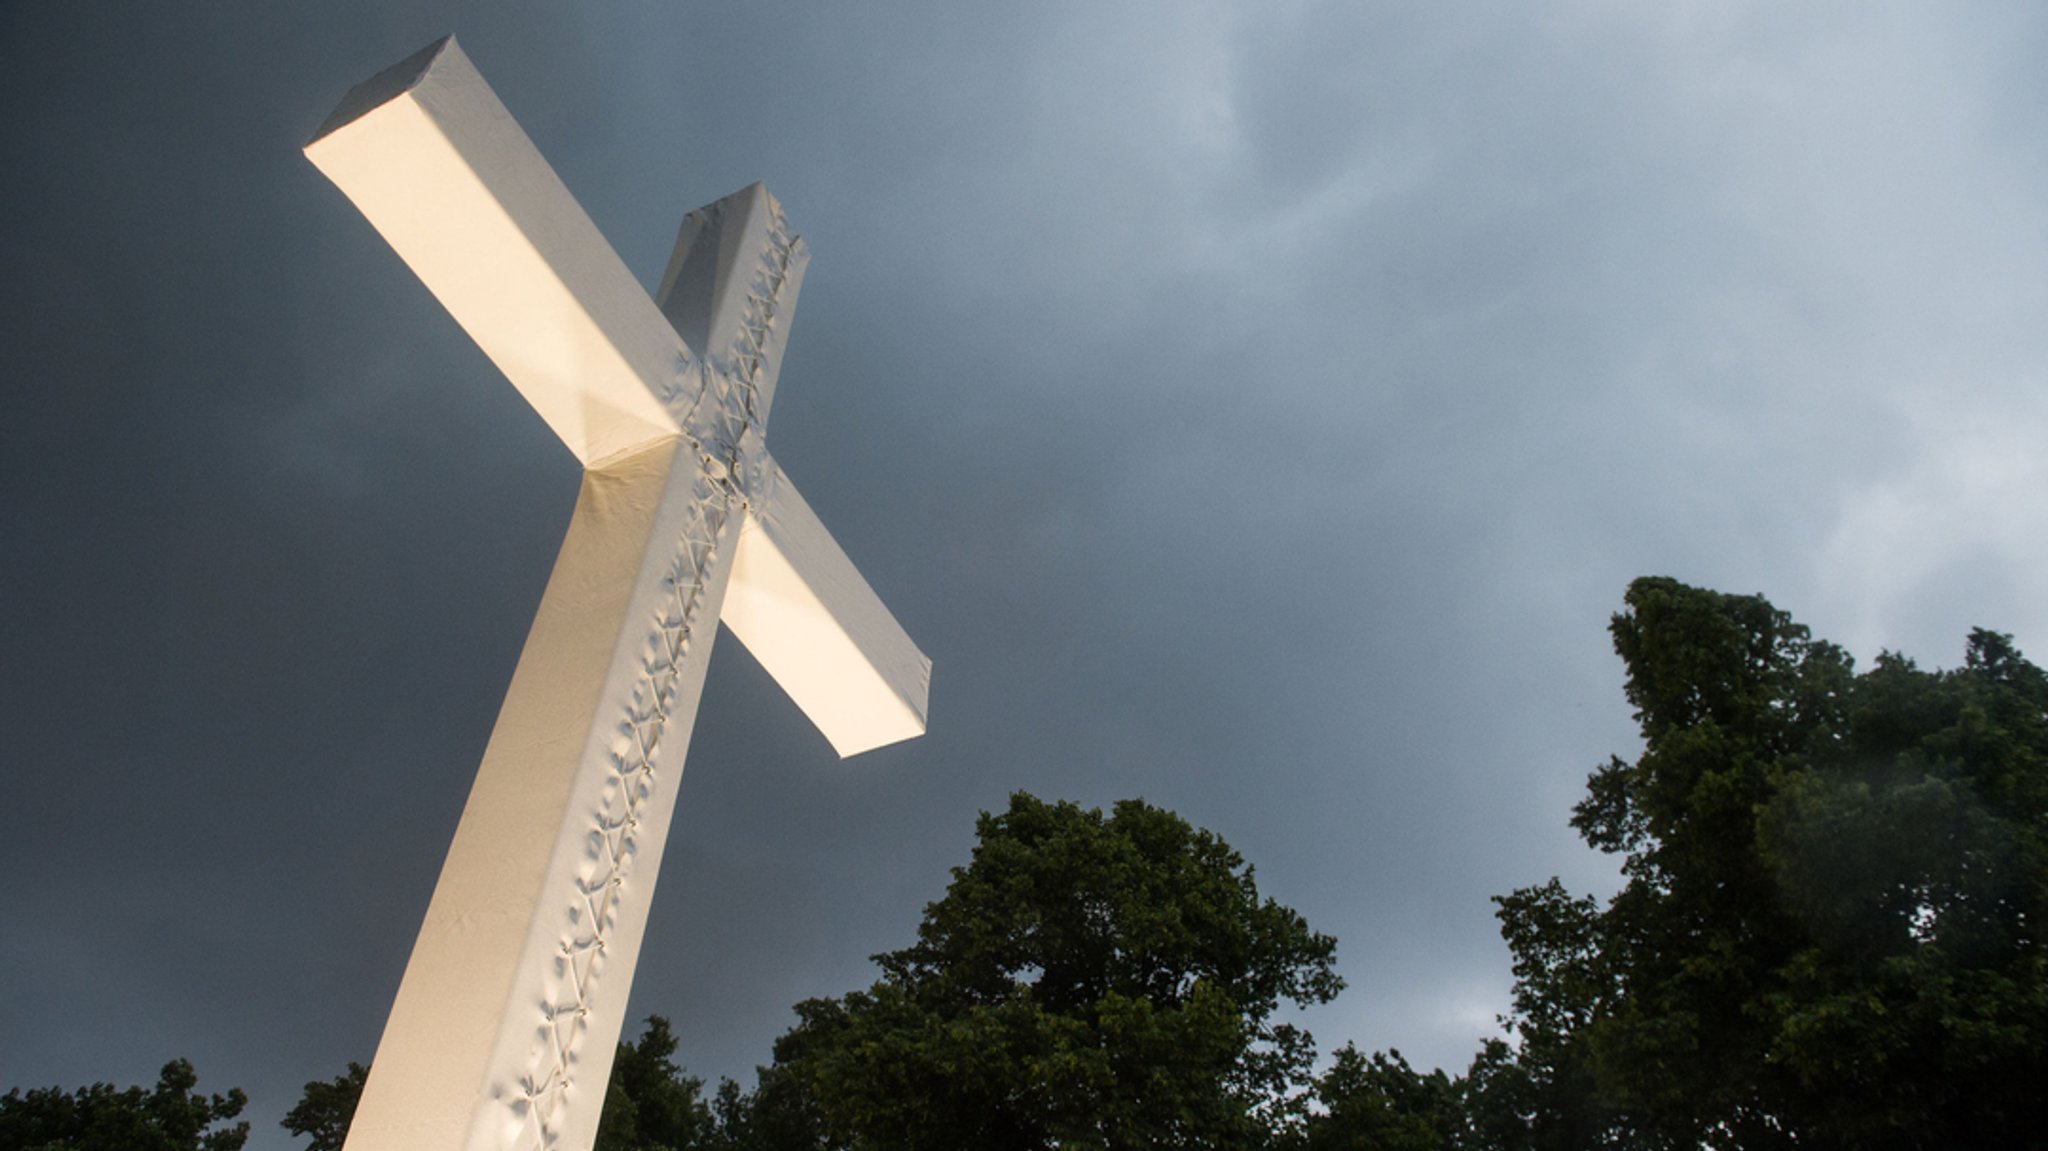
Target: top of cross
x,y
435,162
505,247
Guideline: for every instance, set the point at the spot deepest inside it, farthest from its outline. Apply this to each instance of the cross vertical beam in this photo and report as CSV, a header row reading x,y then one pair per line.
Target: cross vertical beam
x,y
505,1023
507,1014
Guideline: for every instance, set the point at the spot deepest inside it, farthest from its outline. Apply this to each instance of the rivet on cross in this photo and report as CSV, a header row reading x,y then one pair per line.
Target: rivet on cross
x,y
505,1023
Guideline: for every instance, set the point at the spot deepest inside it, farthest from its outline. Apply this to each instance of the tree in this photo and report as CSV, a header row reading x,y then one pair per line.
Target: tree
x,y
1543,1095
324,1111
780,1114
1830,931
1380,1103
651,1104
1829,935
1087,981
170,1117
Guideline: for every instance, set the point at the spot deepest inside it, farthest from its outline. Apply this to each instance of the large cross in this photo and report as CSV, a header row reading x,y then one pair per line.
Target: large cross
x,y
503,1031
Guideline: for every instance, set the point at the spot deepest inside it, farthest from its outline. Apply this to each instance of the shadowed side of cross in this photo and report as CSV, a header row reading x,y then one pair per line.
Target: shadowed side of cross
x,y
503,1029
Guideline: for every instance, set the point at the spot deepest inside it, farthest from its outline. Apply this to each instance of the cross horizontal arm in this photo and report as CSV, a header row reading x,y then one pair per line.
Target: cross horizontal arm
x,y
804,611
437,164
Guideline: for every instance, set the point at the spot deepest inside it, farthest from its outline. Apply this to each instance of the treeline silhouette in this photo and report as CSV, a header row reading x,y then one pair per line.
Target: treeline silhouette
x,y
1830,935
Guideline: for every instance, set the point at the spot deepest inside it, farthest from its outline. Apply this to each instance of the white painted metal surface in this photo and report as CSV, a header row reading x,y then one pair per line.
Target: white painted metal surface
x,y
503,1030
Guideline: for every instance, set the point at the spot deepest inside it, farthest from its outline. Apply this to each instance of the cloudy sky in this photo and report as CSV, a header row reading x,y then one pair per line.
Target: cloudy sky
x,y
1255,407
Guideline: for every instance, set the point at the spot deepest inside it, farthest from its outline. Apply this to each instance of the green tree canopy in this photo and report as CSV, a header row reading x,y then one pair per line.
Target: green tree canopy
x,y
322,1114
169,1117
1830,931
1380,1103
1087,981
651,1104
1829,935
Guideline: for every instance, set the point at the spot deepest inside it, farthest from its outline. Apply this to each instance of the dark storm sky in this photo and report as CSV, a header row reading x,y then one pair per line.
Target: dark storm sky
x,y
1257,407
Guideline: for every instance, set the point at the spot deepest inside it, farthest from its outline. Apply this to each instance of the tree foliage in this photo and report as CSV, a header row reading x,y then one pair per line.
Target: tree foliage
x,y
1829,935
1830,932
169,1117
323,1112
1087,981
651,1104
1380,1103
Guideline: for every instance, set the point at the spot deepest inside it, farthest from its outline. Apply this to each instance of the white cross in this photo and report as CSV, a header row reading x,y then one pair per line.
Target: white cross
x,y
503,1031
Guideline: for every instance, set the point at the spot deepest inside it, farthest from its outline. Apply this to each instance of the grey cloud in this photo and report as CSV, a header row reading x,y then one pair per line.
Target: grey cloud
x,y
1257,408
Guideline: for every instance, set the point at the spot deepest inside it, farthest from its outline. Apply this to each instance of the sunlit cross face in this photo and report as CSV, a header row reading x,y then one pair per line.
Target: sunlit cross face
x,y
504,1026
